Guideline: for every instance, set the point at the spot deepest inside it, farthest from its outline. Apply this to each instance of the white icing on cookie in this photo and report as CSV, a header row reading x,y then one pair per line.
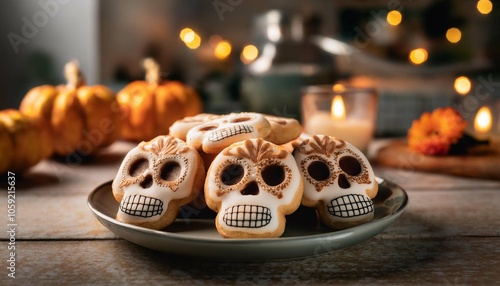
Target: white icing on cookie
x,y
338,181
181,127
252,185
217,134
154,179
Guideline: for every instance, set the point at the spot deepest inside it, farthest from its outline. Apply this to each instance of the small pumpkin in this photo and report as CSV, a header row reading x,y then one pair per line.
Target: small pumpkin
x,y
24,141
81,118
151,106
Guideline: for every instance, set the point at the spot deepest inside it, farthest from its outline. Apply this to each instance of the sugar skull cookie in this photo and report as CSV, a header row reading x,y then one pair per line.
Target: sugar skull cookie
x,y
338,181
155,179
181,127
283,130
252,185
219,133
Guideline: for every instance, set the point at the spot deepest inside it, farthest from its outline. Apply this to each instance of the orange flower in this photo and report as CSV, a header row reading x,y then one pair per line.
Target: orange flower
x,y
435,132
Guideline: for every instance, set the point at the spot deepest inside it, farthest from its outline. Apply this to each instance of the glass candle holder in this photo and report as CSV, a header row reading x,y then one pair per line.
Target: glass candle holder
x,y
344,111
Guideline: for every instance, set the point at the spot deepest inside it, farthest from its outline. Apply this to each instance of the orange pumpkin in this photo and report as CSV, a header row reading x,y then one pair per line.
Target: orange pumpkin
x,y
24,141
81,118
151,106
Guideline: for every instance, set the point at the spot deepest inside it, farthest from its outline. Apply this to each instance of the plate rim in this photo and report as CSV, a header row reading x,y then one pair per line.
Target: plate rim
x,y
207,240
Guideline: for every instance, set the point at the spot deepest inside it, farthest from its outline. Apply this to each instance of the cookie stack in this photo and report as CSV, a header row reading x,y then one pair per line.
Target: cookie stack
x,y
259,168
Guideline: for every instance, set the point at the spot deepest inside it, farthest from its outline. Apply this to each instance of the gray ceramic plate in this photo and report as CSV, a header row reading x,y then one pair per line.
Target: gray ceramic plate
x,y
194,233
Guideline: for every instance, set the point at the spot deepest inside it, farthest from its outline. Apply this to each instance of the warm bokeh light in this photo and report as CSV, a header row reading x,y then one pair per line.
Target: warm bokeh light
x,y
462,85
338,109
194,43
453,35
249,53
483,120
189,37
394,17
418,56
186,35
484,6
222,50
338,87
274,33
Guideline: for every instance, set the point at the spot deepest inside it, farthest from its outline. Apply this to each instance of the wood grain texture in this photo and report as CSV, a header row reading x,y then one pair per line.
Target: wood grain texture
x,y
482,163
463,261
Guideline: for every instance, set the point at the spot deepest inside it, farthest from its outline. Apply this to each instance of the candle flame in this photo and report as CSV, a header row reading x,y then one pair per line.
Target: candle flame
x,y
338,109
483,120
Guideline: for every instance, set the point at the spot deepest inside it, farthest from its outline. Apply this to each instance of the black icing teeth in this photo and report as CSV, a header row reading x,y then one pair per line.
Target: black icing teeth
x,y
223,133
349,206
247,216
143,206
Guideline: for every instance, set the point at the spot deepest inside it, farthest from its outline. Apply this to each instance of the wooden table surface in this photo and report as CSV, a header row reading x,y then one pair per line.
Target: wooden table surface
x,y
448,235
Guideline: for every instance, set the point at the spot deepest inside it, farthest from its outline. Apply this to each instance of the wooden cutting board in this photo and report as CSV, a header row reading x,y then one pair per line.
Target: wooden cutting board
x,y
480,162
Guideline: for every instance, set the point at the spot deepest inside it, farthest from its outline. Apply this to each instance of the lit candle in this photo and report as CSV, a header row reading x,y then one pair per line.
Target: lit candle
x,y
483,122
358,132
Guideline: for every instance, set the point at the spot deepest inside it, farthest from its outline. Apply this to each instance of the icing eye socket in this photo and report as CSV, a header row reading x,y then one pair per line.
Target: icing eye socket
x,y
350,165
241,119
208,128
318,170
273,175
138,167
170,171
232,174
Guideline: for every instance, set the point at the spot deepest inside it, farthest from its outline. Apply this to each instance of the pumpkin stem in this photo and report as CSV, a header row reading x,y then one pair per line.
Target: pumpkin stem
x,y
152,71
73,75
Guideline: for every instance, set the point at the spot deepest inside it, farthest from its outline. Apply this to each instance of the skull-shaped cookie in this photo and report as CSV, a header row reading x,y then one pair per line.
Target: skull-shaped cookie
x,y
181,127
338,181
283,130
155,179
219,133
252,185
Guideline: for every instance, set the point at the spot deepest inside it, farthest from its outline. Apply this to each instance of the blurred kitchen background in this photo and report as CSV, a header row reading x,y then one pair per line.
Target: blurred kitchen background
x,y
257,55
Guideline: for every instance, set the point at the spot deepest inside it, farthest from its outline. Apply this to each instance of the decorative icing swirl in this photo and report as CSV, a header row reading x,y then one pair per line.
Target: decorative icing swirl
x,y
256,153
127,181
325,145
163,145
